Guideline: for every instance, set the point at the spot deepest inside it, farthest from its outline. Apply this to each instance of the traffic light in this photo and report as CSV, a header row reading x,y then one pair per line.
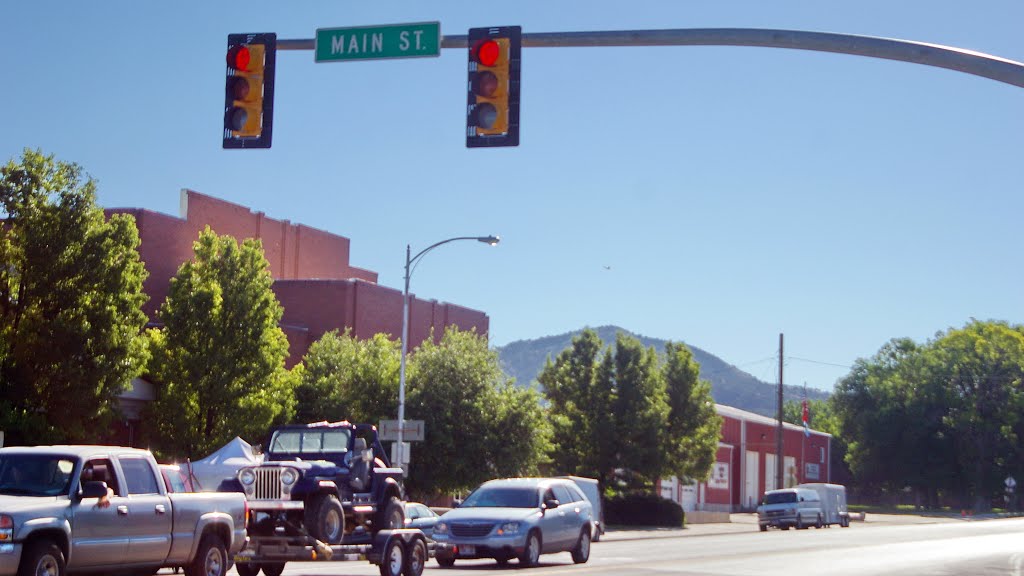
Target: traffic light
x,y
249,90
492,114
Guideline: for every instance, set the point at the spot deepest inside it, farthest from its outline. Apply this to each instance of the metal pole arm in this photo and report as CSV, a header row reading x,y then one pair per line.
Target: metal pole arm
x,y
958,59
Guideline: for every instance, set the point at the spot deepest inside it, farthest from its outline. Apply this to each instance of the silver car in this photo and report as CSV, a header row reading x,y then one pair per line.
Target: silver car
x,y
517,518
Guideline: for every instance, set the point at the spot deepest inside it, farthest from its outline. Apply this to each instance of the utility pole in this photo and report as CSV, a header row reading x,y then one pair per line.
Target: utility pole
x,y
779,457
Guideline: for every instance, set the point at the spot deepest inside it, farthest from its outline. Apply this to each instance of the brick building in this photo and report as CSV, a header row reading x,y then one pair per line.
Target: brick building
x,y
745,464
314,280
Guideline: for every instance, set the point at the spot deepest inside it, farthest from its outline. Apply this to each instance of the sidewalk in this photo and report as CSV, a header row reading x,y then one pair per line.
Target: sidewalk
x,y
747,522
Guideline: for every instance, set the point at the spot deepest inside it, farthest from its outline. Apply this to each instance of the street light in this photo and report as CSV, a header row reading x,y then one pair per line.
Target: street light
x,y
490,240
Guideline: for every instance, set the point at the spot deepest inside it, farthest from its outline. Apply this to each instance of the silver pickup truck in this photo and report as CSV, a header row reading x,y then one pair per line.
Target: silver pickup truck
x,y
72,509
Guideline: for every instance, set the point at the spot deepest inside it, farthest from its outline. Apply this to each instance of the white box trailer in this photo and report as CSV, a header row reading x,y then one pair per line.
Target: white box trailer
x,y
833,503
591,489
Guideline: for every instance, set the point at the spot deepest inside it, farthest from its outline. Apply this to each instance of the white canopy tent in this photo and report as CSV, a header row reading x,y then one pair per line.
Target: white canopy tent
x,y
223,463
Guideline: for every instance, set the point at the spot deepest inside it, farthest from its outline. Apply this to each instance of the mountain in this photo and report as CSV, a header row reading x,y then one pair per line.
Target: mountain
x,y
524,359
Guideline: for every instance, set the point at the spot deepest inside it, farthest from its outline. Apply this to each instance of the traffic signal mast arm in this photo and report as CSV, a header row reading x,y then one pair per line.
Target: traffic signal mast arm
x,y
950,58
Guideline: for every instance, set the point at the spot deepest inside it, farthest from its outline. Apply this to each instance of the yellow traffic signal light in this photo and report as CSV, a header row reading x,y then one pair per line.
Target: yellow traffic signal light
x,y
492,114
249,90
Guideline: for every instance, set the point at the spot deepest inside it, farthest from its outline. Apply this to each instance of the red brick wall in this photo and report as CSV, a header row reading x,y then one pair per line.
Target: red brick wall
x,y
367,309
314,282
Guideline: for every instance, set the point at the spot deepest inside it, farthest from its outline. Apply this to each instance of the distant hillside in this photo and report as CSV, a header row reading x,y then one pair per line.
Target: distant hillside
x,y
731,386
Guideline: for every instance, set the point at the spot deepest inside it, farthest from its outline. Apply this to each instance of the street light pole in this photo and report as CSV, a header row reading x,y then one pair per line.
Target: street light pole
x,y
490,240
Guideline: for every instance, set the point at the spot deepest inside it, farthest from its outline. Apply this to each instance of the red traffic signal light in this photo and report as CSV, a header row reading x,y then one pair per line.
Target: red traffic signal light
x,y
492,113
249,90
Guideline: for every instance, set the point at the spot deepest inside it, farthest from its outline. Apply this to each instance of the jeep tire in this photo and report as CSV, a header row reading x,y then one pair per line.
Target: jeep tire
x,y
325,519
391,516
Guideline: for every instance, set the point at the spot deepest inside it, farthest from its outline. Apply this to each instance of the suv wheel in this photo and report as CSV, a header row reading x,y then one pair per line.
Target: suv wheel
x,y
581,553
531,552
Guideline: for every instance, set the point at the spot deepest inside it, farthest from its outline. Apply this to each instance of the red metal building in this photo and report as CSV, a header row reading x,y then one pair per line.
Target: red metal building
x,y
745,465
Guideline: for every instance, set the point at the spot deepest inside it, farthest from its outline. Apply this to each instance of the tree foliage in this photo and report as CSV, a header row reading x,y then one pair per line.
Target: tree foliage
x,y
624,415
477,425
70,304
219,359
345,378
943,418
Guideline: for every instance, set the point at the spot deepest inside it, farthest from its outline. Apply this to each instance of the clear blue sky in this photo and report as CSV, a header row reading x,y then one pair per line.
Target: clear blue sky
x,y
735,193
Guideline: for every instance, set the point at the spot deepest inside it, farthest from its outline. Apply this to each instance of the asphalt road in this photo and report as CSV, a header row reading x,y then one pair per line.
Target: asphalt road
x,y
881,546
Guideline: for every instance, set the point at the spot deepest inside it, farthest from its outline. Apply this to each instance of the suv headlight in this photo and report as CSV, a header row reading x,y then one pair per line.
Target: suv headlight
x,y
247,477
441,528
289,476
508,528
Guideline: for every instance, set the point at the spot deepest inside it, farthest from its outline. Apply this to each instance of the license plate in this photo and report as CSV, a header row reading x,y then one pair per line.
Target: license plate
x,y
467,550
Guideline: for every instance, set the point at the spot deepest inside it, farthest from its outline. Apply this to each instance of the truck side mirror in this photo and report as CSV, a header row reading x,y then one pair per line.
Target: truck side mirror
x,y
551,503
93,489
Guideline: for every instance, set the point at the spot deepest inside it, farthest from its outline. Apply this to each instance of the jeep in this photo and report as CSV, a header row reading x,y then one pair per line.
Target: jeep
x,y
326,480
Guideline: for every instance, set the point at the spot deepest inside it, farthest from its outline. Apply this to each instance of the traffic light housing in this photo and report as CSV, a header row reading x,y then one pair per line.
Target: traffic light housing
x,y
492,113
249,90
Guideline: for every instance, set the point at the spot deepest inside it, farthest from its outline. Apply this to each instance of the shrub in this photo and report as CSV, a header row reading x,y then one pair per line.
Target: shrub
x,y
643,509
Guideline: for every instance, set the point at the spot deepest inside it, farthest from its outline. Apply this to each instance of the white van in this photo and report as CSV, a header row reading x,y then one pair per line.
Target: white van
x,y
833,503
796,507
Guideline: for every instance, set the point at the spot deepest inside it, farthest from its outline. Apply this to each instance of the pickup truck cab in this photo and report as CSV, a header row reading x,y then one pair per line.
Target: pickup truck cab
x,y
73,509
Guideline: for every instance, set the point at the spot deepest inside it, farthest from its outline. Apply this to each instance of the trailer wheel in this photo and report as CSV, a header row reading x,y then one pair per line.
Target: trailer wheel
x,y
445,561
817,523
272,568
247,569
325,519
393,560
761,526
42,558
416,558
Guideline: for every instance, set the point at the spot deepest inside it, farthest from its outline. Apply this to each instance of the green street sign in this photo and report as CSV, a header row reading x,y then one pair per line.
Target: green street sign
x,y
378,42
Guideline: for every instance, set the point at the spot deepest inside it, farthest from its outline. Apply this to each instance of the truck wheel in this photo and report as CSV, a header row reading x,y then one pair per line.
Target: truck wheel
x,y
416,558
247,569
272,568
817,523
445,561
325,519
42,558
581,553
393,560
799,522
531,552
211,558
391,517
762,526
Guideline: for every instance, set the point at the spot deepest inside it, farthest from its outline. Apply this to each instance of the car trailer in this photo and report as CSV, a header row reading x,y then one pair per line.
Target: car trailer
x,y
400,552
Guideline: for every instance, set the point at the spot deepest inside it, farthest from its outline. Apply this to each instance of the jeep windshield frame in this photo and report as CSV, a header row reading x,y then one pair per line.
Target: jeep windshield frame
x,y
310,441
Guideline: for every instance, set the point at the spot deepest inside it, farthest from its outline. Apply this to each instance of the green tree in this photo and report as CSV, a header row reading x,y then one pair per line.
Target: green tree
x,y
641,408
626,417
823,418
345,378
981,368
694,427
219,359
70,304
472,431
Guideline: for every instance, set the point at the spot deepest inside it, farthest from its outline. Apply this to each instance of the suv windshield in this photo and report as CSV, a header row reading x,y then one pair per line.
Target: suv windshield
x,y
502,498
780,498
35,474
311,440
